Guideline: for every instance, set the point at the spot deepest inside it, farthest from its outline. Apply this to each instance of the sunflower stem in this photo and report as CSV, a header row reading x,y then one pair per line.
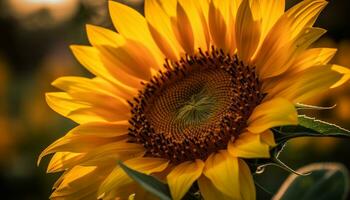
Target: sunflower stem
x,y
282,165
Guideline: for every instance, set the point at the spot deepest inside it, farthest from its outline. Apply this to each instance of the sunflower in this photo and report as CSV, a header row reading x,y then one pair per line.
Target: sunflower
x,y
187,94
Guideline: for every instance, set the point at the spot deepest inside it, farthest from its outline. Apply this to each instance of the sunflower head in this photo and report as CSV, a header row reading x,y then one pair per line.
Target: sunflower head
x,y
186,93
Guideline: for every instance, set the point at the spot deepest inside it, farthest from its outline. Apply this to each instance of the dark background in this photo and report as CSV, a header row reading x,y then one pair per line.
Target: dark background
x,y
34,40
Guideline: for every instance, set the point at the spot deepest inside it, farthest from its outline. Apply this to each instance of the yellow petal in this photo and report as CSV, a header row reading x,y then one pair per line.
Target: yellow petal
x,y
166,46
64,104
183,29
101,36
89,57
222,170
270,12
181,178
305,84
98,114
132,25
307,37
204,41
80,183
103,155
282,43
249,145
311,58
344,71
105,103
108,103
102,129
268,138
231,19
120,90
286,52
272,113
247,32
118,178
131,59
169,6
304,14
129,22
198,20
59,161
160,28
217,22
221,22
274,54
246,182
110,153
72,177
72,84
208,190
77,173
87,115
84,107
75,144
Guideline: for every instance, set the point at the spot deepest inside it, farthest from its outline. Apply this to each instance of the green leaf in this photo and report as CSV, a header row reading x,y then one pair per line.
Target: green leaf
x,y
311,127
149,183
326,181
322,127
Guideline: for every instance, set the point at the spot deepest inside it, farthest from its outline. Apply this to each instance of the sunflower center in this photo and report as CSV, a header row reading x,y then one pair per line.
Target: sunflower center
x,y
195,107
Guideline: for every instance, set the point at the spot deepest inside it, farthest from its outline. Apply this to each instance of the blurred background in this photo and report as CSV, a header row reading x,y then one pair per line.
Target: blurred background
x,y
34,40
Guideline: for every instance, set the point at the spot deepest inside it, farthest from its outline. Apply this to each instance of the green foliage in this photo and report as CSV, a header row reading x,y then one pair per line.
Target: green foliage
x,y
326,181
149,183
309,127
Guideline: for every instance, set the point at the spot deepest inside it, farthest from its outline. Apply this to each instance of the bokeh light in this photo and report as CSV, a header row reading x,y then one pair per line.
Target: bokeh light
x,y
42,13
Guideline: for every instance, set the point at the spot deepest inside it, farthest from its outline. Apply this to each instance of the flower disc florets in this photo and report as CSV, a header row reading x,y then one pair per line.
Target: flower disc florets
x,y
195,107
